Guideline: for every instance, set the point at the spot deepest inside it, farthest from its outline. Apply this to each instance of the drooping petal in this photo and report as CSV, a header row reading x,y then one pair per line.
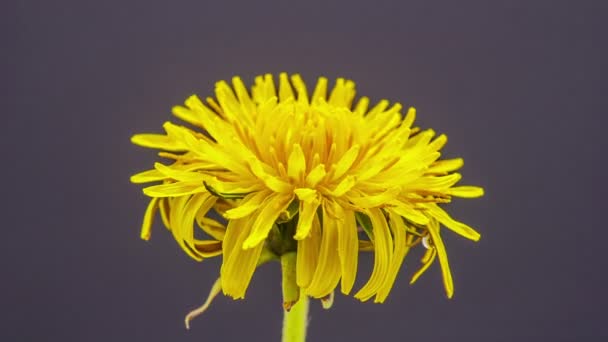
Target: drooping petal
x,y
208,248
328,271
383,254
238,264
449,222
196,206
146,226
164,208
398,229
443,258
348,246
210,226
308,254
176,219
427,261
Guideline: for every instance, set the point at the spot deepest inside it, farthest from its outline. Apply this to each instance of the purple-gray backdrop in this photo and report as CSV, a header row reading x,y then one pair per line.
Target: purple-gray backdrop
x,y
518,86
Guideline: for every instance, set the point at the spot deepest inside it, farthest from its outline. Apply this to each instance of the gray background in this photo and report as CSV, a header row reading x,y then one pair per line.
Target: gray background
x,y
518,86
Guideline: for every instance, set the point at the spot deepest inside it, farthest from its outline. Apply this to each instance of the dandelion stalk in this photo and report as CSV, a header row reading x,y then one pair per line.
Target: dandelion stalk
x,y
295,321
295,303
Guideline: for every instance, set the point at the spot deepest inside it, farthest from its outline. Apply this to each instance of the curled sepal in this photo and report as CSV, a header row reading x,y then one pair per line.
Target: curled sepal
x,y
290,212
215,289
224,195
291,291
328,301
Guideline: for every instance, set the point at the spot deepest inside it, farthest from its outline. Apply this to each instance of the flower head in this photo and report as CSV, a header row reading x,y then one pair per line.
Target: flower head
x,y
273,171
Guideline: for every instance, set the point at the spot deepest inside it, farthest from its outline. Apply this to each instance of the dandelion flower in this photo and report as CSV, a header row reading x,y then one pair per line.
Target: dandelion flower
x,y
268,172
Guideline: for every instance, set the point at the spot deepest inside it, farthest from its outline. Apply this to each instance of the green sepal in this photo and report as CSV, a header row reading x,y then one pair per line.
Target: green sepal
x,y
223,195
291,291
289,213
366,223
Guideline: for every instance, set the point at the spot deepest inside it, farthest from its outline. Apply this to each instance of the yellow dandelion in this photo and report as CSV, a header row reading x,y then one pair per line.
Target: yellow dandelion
x,y
274,173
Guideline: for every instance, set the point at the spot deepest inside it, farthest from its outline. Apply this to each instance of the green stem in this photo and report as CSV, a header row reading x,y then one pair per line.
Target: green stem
x,y
295,302
295,321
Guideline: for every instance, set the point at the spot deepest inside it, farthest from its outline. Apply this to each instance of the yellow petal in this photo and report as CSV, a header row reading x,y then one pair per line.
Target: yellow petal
x,y
327,274
180,175
366,246
457,227
268,214
164,206
285,91
407,211
438,143
370,201
229,103
315,175
377,109
466,191
147,177
175,223
296,165
348,250
174,189
308,254
344,186
308,210
208,248
239,264
306,194
346,161
383,254
196,205
247,205
300,87
447,165
342,94
401,249
320,91
410,117
448,283
361,107
432,183
428,259
146,226
196,113
158,141
272,182
248,107
212,227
